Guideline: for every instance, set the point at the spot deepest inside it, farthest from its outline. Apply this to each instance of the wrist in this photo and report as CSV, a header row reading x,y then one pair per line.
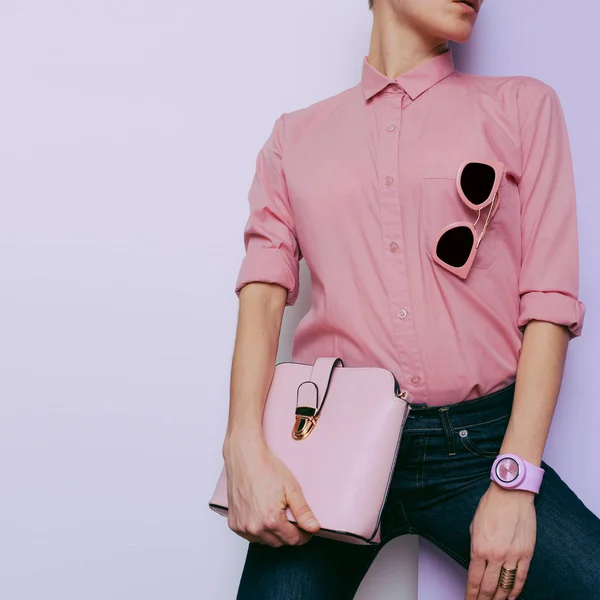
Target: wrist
x,y
245,442
531,456
520,495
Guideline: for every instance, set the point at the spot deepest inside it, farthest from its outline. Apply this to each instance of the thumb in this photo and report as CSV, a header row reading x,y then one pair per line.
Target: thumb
x,y
301,510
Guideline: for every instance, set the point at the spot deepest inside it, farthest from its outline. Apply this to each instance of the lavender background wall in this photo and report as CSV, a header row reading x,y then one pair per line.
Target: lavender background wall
x,y
128,134
129,130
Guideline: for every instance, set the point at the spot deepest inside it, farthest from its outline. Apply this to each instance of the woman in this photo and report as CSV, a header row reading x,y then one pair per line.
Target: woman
x,y
367,186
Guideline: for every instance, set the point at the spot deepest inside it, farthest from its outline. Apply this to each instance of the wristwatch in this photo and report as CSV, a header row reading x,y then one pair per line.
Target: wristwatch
x,y
512,472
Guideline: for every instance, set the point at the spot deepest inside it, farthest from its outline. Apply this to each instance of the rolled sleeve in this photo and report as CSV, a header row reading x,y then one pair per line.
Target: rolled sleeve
x,y
549,275
555,307
272,250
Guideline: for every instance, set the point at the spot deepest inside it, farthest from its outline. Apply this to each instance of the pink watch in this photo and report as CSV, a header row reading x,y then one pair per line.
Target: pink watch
x,y
512,472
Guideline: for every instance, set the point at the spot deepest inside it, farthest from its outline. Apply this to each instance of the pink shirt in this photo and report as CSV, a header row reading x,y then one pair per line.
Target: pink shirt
x,y
360,184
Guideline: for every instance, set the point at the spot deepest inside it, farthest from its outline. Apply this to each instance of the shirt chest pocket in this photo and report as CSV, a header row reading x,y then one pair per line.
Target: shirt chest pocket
x,y
441,206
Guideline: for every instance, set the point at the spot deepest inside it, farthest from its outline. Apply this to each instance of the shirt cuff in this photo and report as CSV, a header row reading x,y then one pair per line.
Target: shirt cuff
x,y
270,265
554,307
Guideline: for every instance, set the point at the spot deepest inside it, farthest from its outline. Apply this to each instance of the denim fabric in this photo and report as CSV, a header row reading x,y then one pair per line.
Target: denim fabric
x,y
441,474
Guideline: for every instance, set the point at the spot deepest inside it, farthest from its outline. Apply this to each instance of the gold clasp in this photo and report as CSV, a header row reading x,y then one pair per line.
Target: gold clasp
x,y
306,415
303,426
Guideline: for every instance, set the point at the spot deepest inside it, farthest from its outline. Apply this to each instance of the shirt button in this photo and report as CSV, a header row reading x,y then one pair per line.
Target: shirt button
x,y
391,127
415,380
389,180
393,247
402,314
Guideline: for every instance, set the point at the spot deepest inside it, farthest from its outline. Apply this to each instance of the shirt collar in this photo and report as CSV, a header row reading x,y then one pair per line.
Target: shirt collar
x,y
414,82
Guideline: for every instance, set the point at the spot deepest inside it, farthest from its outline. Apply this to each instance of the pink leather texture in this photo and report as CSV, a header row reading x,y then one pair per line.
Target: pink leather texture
x,y
344,465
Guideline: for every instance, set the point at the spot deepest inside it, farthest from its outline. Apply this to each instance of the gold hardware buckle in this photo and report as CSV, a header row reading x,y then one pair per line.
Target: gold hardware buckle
x,y
303,426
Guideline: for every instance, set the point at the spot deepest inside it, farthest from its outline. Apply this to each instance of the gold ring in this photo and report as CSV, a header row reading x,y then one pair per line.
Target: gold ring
x,y
507,578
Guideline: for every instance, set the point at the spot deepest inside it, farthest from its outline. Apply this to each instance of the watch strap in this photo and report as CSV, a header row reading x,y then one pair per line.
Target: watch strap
x,y
533,479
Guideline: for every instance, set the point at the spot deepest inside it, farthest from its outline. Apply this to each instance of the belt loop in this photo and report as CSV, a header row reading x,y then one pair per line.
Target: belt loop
x,y
449,432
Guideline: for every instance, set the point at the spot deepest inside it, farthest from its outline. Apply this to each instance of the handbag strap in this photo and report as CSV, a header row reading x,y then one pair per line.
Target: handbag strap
x,y
313,392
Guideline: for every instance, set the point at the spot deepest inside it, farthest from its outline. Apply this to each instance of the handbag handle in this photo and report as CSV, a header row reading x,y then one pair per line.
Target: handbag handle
x,y
311,396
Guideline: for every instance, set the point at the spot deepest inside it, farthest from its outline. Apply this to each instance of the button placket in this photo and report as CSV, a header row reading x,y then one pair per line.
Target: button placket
x,y
390,158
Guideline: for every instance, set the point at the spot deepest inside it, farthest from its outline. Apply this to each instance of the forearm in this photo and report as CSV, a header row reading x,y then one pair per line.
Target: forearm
x,y
257,338
539,377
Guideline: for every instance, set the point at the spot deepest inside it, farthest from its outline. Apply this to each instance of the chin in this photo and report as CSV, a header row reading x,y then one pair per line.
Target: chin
x,y
461,37
459,32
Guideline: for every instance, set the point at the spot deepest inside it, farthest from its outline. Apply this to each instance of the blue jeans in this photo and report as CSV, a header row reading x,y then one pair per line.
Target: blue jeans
x,y
441,473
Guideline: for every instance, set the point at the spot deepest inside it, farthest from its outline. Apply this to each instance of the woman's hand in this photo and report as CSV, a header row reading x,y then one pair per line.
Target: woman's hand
x,y
503,533
260,488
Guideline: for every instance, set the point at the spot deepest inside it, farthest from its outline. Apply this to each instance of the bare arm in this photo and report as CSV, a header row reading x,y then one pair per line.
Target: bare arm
x,y
539,377
260,486
503,530
257,338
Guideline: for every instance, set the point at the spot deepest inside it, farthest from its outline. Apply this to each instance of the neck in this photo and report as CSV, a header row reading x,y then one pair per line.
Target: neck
x,y
396,47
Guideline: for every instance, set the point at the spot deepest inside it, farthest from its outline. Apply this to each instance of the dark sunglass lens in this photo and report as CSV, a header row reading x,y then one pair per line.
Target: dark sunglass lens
x,y
477,181
455,246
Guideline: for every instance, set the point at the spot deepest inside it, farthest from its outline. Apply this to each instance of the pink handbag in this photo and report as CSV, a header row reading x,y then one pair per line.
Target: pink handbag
x,y
338,430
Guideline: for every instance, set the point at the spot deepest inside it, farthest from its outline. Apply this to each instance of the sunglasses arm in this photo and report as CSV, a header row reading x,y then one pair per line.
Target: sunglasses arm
x,y
488,219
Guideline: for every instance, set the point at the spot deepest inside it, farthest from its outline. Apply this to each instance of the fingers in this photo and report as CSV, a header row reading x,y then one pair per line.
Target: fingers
x,y
483,578
266,538
253,532
259,498
483,575
501,593
273,529
300,508
489,583
522,571
475,576
278,524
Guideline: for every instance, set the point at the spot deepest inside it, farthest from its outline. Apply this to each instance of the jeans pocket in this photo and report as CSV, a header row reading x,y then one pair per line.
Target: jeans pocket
x,y
484,439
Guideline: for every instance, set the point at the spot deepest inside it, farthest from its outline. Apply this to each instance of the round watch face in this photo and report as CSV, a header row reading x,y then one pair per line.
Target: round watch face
x,y
507,470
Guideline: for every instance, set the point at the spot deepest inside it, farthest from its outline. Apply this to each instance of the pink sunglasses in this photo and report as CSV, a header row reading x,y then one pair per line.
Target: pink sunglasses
x,y
477,183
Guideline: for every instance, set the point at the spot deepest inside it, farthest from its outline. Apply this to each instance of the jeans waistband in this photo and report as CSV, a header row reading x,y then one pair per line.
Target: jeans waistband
x,y
480,410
